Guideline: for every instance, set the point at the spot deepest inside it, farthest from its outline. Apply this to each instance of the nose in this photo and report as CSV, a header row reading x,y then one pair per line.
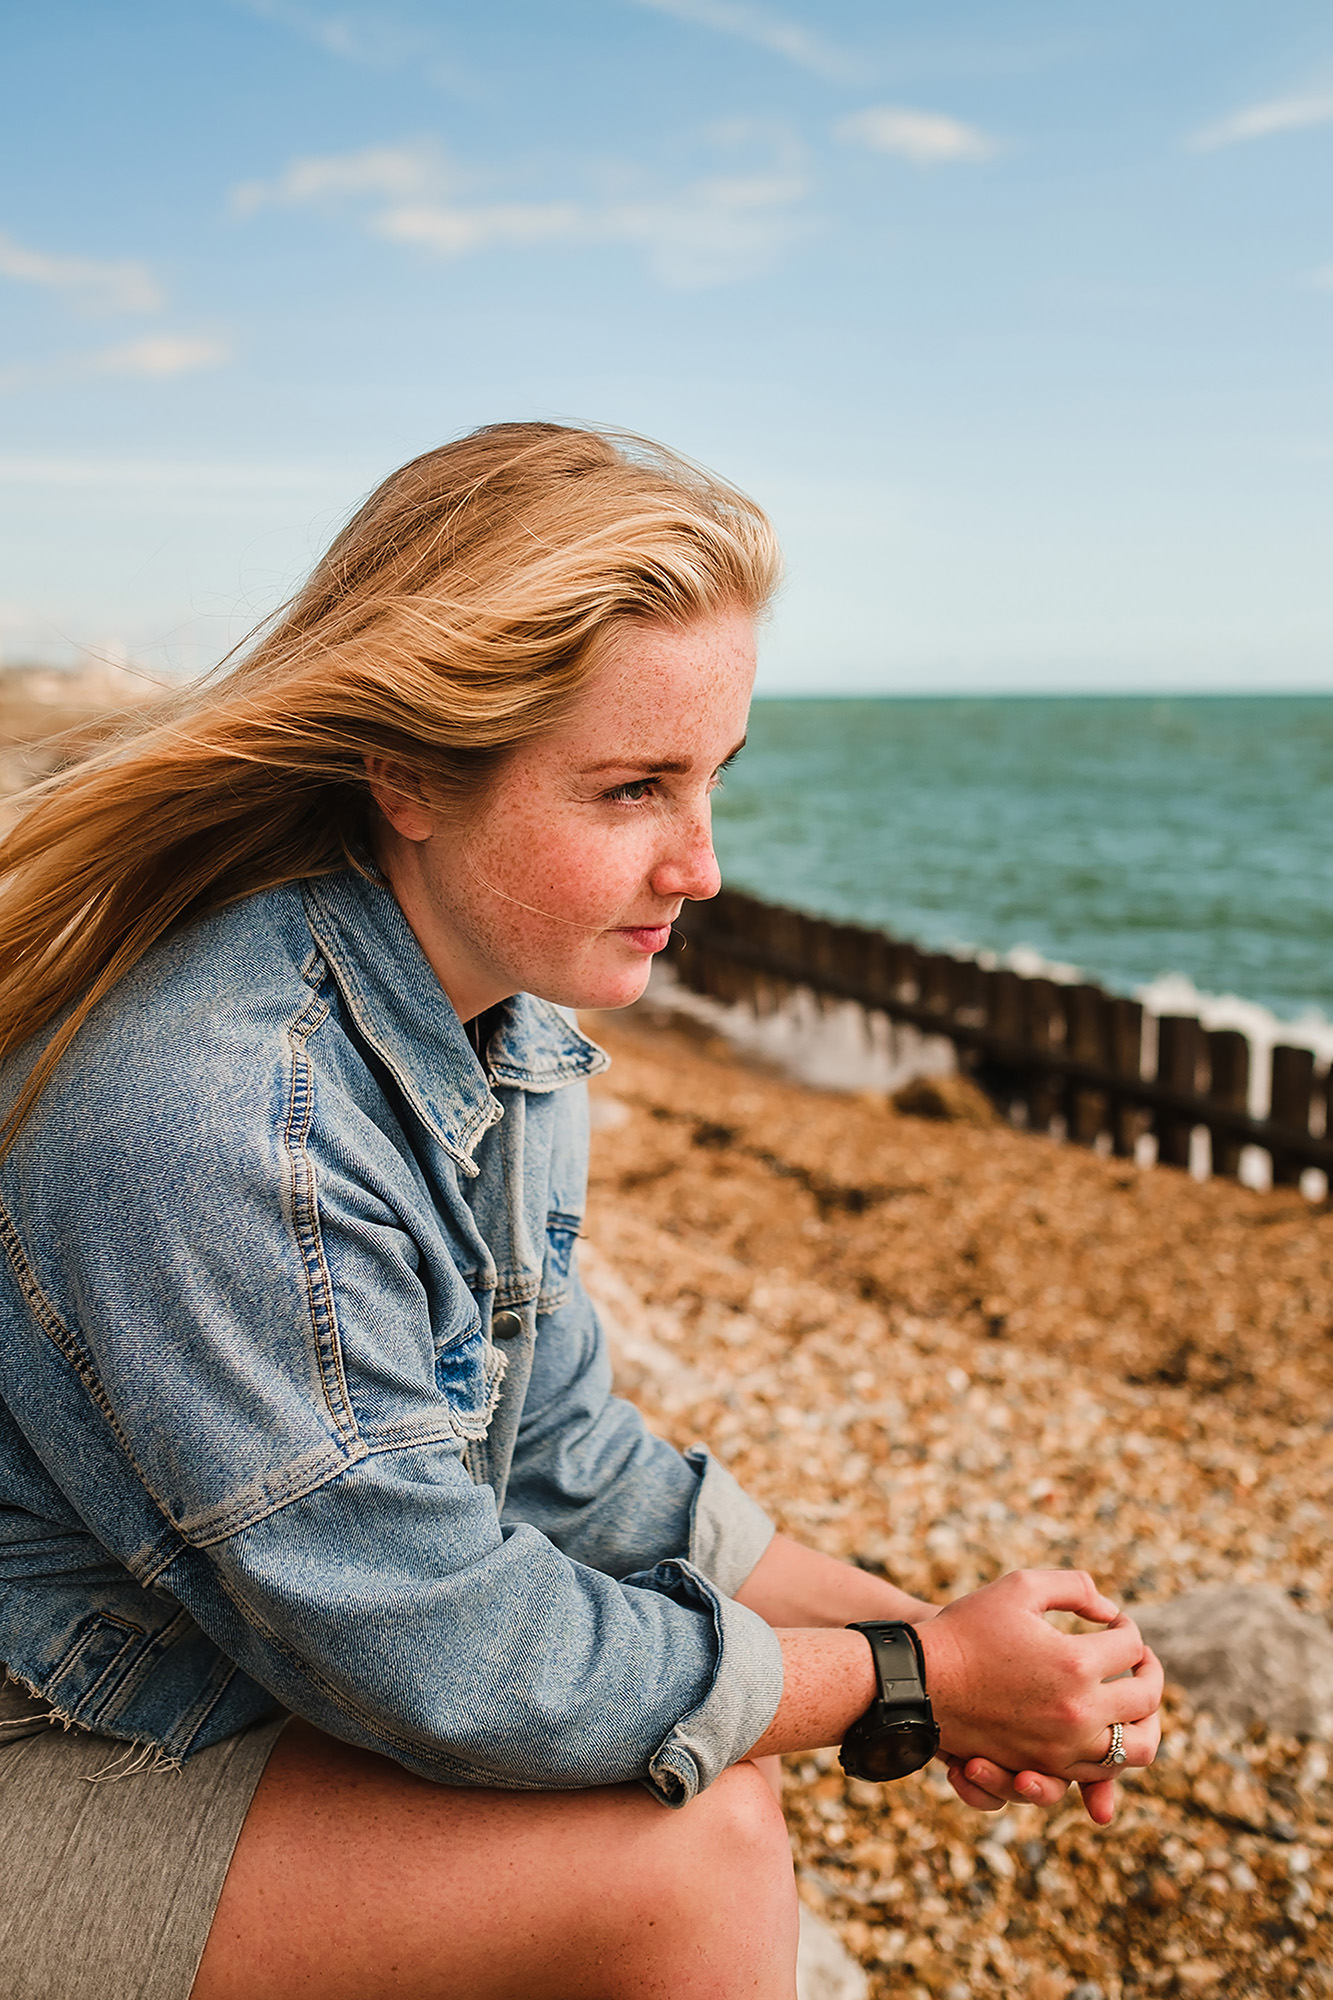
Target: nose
x,y
689,867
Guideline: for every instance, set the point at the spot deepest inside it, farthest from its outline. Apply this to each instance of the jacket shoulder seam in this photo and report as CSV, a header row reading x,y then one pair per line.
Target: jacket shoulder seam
x,y
305,1221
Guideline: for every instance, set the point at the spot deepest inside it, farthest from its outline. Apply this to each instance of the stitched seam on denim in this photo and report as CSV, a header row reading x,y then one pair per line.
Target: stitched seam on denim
x,y
143,1669
86,1705
305,1222
337,1697
63,1339
203,1709
381,1442
310,1472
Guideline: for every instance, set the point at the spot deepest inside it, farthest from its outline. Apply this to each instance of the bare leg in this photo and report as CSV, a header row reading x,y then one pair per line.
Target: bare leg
x,y
354,1880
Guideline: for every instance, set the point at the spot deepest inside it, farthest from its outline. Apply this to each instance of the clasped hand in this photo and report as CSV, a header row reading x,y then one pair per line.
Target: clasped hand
x,y
1024,1709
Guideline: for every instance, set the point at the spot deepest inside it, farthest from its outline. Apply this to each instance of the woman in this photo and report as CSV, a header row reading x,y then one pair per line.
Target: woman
x,y
302,1406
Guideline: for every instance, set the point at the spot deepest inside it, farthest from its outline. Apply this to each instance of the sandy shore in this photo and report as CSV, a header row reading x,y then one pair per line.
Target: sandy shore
x,y
948,1351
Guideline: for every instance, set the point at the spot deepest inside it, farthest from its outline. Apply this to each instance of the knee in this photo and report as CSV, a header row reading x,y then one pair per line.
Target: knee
x,y
735,1842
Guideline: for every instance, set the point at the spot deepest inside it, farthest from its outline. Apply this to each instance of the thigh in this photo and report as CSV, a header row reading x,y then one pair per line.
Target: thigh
x,y
354,1879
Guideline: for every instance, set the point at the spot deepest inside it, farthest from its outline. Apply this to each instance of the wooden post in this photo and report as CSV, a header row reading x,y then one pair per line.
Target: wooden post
x,y
1179,1051
1229,1085
1089,1040
1004,1004
969,992
937,975
1125,1031
1045,1025
1289,1106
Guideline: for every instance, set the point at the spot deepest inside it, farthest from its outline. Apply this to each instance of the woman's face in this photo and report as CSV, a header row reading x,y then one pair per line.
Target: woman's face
x,y
566,876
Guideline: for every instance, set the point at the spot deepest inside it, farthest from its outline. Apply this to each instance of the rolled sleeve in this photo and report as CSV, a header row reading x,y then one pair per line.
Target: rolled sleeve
x,y
740,1701
391,1609
729,1531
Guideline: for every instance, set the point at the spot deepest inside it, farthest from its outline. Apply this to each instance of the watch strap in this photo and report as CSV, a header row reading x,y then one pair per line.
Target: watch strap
x,y
900,1662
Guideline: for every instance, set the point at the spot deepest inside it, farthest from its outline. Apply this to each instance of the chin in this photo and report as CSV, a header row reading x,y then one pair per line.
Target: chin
x,y
603,991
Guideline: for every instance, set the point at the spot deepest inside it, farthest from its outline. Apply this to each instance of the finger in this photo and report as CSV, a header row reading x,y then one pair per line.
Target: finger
x,y
1139,1741
1099,1800
1032,1788
1138,1695
1115,1653
1072,1590
974,1795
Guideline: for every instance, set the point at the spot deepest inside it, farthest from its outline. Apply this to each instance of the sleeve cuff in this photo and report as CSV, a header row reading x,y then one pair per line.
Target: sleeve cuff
x,y
728,1530
740,1702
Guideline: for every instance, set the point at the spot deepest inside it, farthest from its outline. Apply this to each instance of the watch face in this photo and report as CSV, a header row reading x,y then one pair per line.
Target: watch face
x,y
881,1751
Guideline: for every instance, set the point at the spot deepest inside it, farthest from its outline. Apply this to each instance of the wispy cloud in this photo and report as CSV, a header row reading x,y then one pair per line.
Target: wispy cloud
x,y
926,138
1265,121
765,30
158,355
396,172
170,475
154,357
712,230
369,37
94,285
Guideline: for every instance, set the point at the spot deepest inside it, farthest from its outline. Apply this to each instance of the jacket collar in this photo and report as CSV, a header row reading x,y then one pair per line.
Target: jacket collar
x,y
406,1016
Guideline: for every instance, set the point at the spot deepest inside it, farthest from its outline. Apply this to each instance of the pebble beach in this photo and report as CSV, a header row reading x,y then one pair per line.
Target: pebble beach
x,y
945,1349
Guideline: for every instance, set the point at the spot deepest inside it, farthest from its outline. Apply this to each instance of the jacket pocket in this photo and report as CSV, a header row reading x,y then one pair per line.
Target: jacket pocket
x,y
562,1232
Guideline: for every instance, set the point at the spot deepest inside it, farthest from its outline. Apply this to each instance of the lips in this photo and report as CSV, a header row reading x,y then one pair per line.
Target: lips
x,y
649,938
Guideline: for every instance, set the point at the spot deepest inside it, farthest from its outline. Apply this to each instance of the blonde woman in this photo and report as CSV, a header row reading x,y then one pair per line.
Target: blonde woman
x,y
410,1662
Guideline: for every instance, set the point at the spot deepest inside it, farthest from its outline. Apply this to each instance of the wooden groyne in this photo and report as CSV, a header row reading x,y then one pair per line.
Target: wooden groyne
x,y
1074,1058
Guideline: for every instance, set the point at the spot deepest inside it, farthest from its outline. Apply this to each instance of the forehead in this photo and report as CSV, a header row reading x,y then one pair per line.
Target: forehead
x,y
665,692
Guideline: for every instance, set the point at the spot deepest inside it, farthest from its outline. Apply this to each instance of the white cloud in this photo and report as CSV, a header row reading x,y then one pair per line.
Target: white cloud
x,y
926,138
170,475
368,37
764,30
709,231
127,286
375,170
451,230
157,355
1262,121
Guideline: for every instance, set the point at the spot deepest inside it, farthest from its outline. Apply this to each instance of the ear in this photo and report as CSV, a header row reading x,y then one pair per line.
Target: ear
x,y
396,790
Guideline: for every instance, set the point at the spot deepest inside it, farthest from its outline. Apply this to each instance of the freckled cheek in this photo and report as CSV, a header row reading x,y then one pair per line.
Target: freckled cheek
x,y
584,877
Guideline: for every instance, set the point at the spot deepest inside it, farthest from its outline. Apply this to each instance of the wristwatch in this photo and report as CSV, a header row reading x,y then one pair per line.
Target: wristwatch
x,y
897,1734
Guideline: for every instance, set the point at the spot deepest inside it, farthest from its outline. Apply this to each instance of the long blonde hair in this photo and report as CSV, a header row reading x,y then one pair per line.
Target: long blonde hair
x,y
458,614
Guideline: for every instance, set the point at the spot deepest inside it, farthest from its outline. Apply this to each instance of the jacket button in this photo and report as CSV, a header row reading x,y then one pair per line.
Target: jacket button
x,y
505,1326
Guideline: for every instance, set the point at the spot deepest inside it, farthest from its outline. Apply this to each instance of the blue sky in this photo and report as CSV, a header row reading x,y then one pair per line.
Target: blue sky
x,y
1016,313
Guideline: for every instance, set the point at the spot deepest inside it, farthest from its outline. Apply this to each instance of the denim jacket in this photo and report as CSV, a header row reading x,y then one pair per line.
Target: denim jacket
x,y
301,1400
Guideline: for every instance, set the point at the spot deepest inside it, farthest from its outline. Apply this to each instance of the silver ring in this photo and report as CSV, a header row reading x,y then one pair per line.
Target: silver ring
x,y
1116,1753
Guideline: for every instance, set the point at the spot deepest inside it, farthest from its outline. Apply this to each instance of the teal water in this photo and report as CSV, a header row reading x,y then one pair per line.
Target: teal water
x,y
1131,837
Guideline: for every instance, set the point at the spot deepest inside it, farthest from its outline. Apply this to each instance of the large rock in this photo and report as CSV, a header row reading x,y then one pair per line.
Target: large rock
x,y
825,1969
1247,1654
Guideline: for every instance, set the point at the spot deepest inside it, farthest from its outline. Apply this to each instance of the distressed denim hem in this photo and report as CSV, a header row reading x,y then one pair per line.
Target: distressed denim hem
x,y
729,1531
735,1712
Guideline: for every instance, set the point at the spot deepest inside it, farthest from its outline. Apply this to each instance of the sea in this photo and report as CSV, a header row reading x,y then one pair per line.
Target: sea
x,y
1177,848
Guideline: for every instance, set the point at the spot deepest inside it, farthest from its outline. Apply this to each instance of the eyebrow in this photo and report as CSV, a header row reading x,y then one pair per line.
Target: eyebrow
x,y
668,766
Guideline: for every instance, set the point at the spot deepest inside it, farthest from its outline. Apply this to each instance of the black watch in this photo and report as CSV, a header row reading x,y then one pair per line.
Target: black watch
x,y
897,1734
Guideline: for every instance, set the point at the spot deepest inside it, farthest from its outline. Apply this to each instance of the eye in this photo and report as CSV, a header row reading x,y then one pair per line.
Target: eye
x,y
636,792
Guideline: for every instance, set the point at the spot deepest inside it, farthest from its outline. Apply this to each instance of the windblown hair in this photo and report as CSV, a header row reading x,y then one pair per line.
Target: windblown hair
x,y
457,615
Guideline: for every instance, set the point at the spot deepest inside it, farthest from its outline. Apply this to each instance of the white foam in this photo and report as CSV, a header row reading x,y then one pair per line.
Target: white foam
x,y
829,1044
